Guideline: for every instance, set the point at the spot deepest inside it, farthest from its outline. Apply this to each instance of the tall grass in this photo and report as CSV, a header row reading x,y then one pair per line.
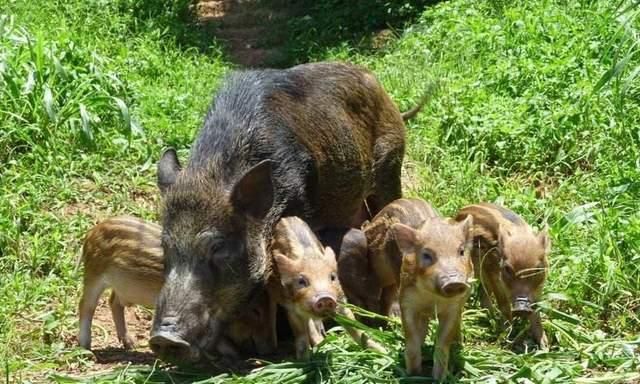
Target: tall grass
x,y
55,89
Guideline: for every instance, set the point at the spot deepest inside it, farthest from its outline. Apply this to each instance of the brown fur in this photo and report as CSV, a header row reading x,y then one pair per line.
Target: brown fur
x,y
385,259
510,260
434,281
304,271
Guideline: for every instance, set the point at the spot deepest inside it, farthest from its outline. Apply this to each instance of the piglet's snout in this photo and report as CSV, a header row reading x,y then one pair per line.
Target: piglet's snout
x,y
324,304
453,284
521,307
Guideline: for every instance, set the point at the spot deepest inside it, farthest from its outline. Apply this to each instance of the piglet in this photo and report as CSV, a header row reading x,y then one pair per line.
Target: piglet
x,y
435,276
305,282
511,262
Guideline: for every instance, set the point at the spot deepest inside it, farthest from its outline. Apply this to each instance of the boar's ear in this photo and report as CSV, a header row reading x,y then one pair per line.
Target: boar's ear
x,y
168,169
545,240
253,193
405,236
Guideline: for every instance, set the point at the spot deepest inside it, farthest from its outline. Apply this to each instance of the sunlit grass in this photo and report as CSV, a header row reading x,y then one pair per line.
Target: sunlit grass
x,y
538,109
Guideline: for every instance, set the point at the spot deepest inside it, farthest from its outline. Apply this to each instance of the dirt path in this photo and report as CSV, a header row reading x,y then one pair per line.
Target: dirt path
x,y
251,29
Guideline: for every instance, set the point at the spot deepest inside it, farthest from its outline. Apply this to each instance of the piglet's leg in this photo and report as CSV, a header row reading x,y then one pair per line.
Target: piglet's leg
x,y
117,312
415,326
388,299
357,335
315,334
491,281
448,333
300,328
537,331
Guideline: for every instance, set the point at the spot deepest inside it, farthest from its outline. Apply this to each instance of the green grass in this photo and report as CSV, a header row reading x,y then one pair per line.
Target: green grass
x,y
539,109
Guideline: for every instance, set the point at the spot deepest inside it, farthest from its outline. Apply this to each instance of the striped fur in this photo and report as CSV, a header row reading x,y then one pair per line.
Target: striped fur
x,y
510,261
384,256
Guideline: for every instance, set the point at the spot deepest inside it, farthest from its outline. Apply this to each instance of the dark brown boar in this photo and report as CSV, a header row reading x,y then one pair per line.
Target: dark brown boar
x,y
124,253
384,255
313,141
434,282
510,261
306,283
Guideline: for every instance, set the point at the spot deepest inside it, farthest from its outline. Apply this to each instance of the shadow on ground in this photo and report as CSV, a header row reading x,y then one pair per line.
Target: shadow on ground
x,y
276,33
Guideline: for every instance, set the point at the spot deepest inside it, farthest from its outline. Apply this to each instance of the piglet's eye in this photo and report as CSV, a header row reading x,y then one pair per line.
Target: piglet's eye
x,y
333,276
427,257
508,271
303,282
461,251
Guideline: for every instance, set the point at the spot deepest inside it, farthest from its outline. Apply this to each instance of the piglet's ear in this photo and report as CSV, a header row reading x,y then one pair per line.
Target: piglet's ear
x,y
545,240
168,169
405,237
283,264
253,192
329,254
467,227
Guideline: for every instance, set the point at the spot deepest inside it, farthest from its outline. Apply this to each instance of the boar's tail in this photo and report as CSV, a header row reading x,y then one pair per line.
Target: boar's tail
x,y
426,97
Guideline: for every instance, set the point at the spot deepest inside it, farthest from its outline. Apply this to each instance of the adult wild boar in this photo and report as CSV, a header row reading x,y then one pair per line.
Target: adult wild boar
x,y
313,141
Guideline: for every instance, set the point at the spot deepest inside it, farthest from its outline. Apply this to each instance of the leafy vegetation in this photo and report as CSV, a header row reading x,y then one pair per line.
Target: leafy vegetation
x,y
538,108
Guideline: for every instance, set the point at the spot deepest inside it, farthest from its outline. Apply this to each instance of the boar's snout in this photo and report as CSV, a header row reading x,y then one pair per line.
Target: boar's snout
x,y
324,305
452,285
168,345
522,307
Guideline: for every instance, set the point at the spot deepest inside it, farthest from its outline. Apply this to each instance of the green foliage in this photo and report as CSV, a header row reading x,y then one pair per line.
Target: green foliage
x,y
54,89
538,108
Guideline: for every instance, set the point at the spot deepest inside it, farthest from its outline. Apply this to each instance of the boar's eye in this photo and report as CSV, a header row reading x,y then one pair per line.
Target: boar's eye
x,y
426,257
303,282
333,276
461,250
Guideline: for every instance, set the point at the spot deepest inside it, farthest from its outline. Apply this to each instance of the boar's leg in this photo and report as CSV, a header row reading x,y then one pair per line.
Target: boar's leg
x,y
448,333
415,326
388,300
117,312
88,303
300,328
357,335
537,331
388,154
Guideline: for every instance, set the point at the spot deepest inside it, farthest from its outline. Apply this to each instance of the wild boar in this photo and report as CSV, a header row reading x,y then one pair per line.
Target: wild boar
x,y
305,282
511,262
435,281
294,142
124,253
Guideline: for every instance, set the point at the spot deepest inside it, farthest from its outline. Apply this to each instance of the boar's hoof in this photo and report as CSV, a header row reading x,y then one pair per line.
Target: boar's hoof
x,y
324,305
521,307
169,346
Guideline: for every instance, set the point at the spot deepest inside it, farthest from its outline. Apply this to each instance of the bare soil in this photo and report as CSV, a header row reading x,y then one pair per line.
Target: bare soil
x,y
251,29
